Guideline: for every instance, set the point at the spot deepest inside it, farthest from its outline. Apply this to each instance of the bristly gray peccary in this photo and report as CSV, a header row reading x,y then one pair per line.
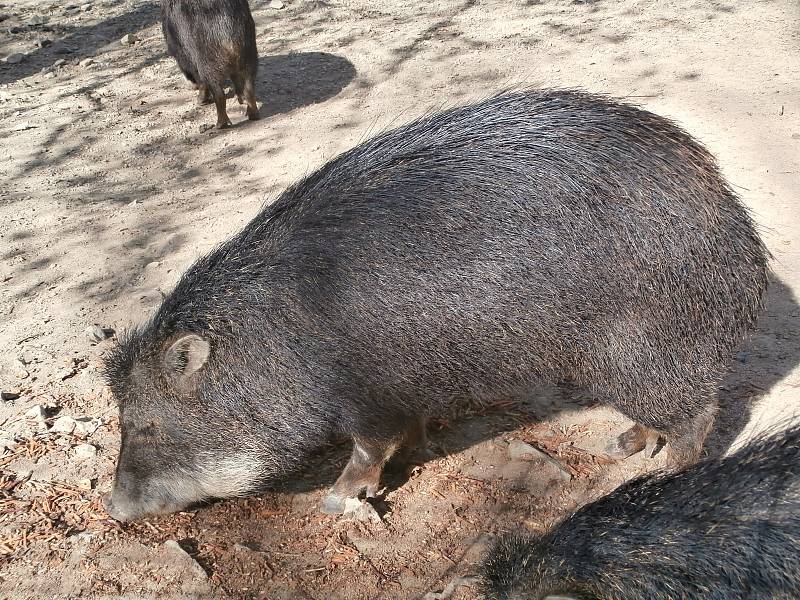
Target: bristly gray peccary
x,y
212,40
724,529
535,235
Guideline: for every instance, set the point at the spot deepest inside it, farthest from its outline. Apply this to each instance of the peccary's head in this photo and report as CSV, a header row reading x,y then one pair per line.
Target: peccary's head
x,y
182,442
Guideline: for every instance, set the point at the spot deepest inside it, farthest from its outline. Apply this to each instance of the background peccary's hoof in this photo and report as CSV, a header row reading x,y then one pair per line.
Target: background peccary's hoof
x,y
224,124
333,504
254,116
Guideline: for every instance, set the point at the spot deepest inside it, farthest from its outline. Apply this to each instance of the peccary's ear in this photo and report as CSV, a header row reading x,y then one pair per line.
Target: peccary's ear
x,y
186,355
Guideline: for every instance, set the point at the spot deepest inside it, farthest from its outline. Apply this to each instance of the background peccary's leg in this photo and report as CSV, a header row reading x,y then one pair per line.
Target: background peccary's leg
x,y
238,87
219,100
250,98
203,95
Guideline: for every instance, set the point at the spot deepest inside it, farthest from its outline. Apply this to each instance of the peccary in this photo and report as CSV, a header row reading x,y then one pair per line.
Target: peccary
x,y
721,530
552,235
212,40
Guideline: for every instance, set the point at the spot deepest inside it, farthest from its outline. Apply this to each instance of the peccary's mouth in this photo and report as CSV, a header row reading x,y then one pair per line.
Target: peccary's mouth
x,y
123,509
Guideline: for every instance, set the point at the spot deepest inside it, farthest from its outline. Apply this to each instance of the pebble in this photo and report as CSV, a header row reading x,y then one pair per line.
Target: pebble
x,y
37,20
276,4
361,511
128,39
519,450
85,484
182,557
60,62
84,452
97,334
49,75
7,443
37,412
15,29
15,58
87,7
86,426
64,425
86,62
10,394
43,43
65,374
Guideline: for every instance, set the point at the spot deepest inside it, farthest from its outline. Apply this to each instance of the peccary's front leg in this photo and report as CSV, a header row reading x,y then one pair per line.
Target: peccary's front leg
x,y
370,455
362,473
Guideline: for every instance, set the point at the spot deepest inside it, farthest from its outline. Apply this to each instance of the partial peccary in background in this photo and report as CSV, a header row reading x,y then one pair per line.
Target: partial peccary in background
x,y
722,530
213,40
472,253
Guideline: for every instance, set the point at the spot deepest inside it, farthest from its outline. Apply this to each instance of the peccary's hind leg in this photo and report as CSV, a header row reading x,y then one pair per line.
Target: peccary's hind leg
x,y
685,440
238,87
416,438
219,100
250,98
629,443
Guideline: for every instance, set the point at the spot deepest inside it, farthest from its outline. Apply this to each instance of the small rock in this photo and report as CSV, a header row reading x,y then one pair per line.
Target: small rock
x,y
174,550
519,450
86,62
87,7
10,394
361,511
85,484
276,4
451,588
49,75
63,425
37,412
152,264
7,443
128,39
134,203
60,62
84,452
15,58
24,126
43,43
65,374
23,475
37,20
86,426
97,334
15,29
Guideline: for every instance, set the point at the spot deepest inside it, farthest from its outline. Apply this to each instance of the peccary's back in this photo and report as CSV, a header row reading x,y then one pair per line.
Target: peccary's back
x,y
532,233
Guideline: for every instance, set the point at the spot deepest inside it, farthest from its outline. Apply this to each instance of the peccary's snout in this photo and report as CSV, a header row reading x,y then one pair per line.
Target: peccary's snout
x,y
131,499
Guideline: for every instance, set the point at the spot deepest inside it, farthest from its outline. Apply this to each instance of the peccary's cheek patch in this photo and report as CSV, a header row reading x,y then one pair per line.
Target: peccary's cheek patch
x,y
225,477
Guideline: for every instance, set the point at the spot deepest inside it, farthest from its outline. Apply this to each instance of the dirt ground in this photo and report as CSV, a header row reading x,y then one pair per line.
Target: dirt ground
x,y
110,187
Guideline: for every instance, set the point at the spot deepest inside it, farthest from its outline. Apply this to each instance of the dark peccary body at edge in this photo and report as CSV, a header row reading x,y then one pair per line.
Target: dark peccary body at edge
x,y
536,235
722,530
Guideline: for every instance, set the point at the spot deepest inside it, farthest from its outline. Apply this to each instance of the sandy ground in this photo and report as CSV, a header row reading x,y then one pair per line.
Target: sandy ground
x,y
109,189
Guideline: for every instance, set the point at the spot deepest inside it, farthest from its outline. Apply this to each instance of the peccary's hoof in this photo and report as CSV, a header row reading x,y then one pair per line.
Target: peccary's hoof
x,y
627,444
253,116
333,504
223,124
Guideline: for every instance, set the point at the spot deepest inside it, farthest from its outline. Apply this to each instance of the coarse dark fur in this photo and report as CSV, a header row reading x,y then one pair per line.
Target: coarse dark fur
x,y
536,235
213,40
722,530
